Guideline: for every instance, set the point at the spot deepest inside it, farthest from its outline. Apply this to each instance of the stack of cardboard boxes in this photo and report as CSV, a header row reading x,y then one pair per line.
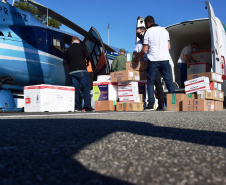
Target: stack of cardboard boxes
x,y
204,63
125,91
105,93
206,94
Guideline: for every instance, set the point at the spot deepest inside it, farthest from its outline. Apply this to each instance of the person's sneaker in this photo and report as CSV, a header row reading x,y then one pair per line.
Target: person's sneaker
x,y
88,109
149,108
161,109
78,110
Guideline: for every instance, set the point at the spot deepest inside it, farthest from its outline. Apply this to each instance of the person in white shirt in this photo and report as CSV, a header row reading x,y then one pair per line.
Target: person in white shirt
x,y
158,84
183,61
156,44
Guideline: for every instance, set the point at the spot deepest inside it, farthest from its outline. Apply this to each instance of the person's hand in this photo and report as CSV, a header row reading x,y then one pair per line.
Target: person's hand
x,y
188,65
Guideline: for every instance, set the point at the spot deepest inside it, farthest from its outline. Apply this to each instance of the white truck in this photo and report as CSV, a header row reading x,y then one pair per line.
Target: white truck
x,y
210,33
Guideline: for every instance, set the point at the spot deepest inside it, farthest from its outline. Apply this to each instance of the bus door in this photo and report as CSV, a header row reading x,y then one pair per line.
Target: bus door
x,y
93,42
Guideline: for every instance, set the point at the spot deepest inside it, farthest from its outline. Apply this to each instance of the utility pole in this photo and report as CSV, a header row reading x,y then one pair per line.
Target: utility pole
x,y
109,27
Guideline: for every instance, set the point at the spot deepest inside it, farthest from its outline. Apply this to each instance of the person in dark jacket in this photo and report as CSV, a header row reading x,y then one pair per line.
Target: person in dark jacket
x,y
119,62
76,57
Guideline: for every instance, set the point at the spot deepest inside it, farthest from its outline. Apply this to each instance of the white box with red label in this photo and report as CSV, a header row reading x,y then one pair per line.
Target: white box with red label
x,y
49,98
105,91
199,67
197,84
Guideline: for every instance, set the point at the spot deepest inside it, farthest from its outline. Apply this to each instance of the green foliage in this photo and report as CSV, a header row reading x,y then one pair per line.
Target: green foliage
x,y
35,12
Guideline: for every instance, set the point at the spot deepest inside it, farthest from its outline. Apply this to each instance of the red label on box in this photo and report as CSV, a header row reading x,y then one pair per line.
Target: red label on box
x,y
27,100
211,86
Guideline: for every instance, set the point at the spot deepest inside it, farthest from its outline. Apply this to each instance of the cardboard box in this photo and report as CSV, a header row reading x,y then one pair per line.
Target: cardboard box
x,y
200,67
207,94
133,106
106,105
105,91
174,101
204,55
213,77
129,106
49,98
203,105
194,85
220,96
187,105
215,86
136,66
218,106
122,76
121,106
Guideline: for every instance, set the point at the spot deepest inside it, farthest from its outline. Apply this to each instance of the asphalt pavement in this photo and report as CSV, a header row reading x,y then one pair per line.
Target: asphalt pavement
x,y
156,148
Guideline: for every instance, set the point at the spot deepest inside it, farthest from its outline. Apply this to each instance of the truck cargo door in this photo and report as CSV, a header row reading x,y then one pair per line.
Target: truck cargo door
x,y
215,43
100,64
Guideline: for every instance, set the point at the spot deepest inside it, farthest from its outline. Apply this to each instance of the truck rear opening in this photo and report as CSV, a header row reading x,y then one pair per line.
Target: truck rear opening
x,y
185,33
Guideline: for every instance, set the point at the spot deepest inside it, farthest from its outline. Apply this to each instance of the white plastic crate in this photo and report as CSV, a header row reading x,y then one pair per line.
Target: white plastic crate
x,y
49,98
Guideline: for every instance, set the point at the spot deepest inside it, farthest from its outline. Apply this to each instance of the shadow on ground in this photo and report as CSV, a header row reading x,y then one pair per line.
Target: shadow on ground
x,y
40,151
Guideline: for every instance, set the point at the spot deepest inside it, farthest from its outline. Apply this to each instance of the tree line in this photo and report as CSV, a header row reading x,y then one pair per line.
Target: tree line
x,y
37,14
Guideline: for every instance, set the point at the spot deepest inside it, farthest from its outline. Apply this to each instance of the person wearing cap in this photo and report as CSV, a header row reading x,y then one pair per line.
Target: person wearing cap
x,y
119,62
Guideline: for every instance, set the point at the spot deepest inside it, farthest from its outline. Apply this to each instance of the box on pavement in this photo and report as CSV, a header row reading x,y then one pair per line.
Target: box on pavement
x,y
133,106
128,91
213,77
218,106
200,67
129,106
194,85
49,98
121,106
174,101
106,105
136,66
203,105
105,91
187,105
122,76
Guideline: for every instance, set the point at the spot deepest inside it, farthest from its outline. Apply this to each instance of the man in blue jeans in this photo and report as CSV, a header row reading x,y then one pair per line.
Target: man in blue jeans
x,y
156,44
76,57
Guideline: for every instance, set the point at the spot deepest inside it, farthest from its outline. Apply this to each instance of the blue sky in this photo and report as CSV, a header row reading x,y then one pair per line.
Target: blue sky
x,y
122,15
